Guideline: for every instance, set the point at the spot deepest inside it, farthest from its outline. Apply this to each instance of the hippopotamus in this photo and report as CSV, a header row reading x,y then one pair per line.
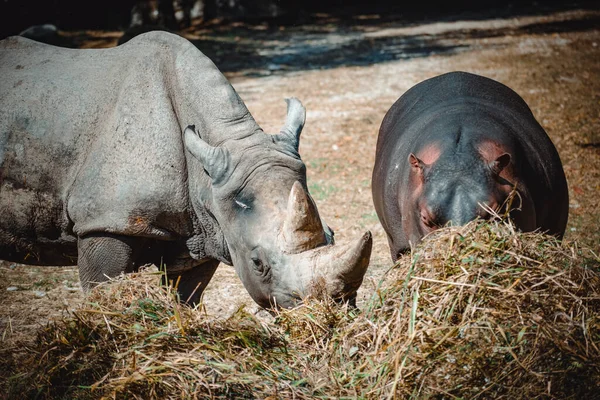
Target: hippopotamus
x,y
461,146
144,153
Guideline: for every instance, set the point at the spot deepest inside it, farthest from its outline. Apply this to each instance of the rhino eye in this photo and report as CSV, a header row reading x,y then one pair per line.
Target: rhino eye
x,y
243,206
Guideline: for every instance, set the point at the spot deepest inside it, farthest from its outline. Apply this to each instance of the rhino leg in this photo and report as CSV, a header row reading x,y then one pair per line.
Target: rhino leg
x,y
103,256
193,281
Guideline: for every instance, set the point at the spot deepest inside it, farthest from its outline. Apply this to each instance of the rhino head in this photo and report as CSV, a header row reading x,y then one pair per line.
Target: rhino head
x,y
279,246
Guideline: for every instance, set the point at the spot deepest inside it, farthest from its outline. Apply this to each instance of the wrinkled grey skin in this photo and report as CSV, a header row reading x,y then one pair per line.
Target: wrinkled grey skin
x,y
454,148
99,169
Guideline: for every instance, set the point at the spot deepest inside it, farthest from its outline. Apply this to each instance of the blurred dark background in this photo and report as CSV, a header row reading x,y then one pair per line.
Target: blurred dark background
x,y
17,15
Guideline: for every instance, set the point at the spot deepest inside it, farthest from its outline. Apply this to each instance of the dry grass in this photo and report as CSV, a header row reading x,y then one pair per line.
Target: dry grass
x,y
479,311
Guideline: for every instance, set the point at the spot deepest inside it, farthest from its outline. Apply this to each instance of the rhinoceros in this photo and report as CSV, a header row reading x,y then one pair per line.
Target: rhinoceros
x,y
458,146
144,153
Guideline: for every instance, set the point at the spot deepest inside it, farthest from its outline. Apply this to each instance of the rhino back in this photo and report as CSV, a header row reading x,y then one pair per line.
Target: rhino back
x,y
89,141
47,112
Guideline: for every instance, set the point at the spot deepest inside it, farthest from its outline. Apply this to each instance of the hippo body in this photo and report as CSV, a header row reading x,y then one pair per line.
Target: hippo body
x,y
458,141
98,169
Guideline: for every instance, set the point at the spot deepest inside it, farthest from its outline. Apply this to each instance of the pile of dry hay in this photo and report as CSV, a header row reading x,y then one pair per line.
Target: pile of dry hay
x,y
475,312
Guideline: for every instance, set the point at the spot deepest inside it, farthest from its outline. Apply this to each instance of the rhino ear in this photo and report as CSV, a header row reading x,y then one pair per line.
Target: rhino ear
x,y
500,163
294,122
214,159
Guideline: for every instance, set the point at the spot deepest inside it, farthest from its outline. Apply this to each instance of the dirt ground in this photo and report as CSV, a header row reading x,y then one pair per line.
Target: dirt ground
x,y
348,72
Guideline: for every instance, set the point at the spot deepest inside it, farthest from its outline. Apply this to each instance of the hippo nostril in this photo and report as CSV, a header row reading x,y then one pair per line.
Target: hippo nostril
x,y
428,221
494,207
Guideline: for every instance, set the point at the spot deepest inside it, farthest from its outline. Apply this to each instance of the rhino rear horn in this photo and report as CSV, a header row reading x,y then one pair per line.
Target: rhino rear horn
x,y
214,159
302,227
294,122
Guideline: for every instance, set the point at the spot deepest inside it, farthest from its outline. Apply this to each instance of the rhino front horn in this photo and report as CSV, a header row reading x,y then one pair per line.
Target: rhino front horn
x,y
343,267
302,228
351,260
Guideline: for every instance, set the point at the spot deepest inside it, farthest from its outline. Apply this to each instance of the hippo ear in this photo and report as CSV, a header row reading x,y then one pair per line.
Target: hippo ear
x,y
214,159
416,164
500,163
294,122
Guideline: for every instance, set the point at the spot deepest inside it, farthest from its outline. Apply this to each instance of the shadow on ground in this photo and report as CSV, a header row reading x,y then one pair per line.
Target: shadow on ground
x,y
361,36
330,42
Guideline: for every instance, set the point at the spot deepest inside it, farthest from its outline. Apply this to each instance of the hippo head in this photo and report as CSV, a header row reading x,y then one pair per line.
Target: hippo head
x,y
279,246
455,189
